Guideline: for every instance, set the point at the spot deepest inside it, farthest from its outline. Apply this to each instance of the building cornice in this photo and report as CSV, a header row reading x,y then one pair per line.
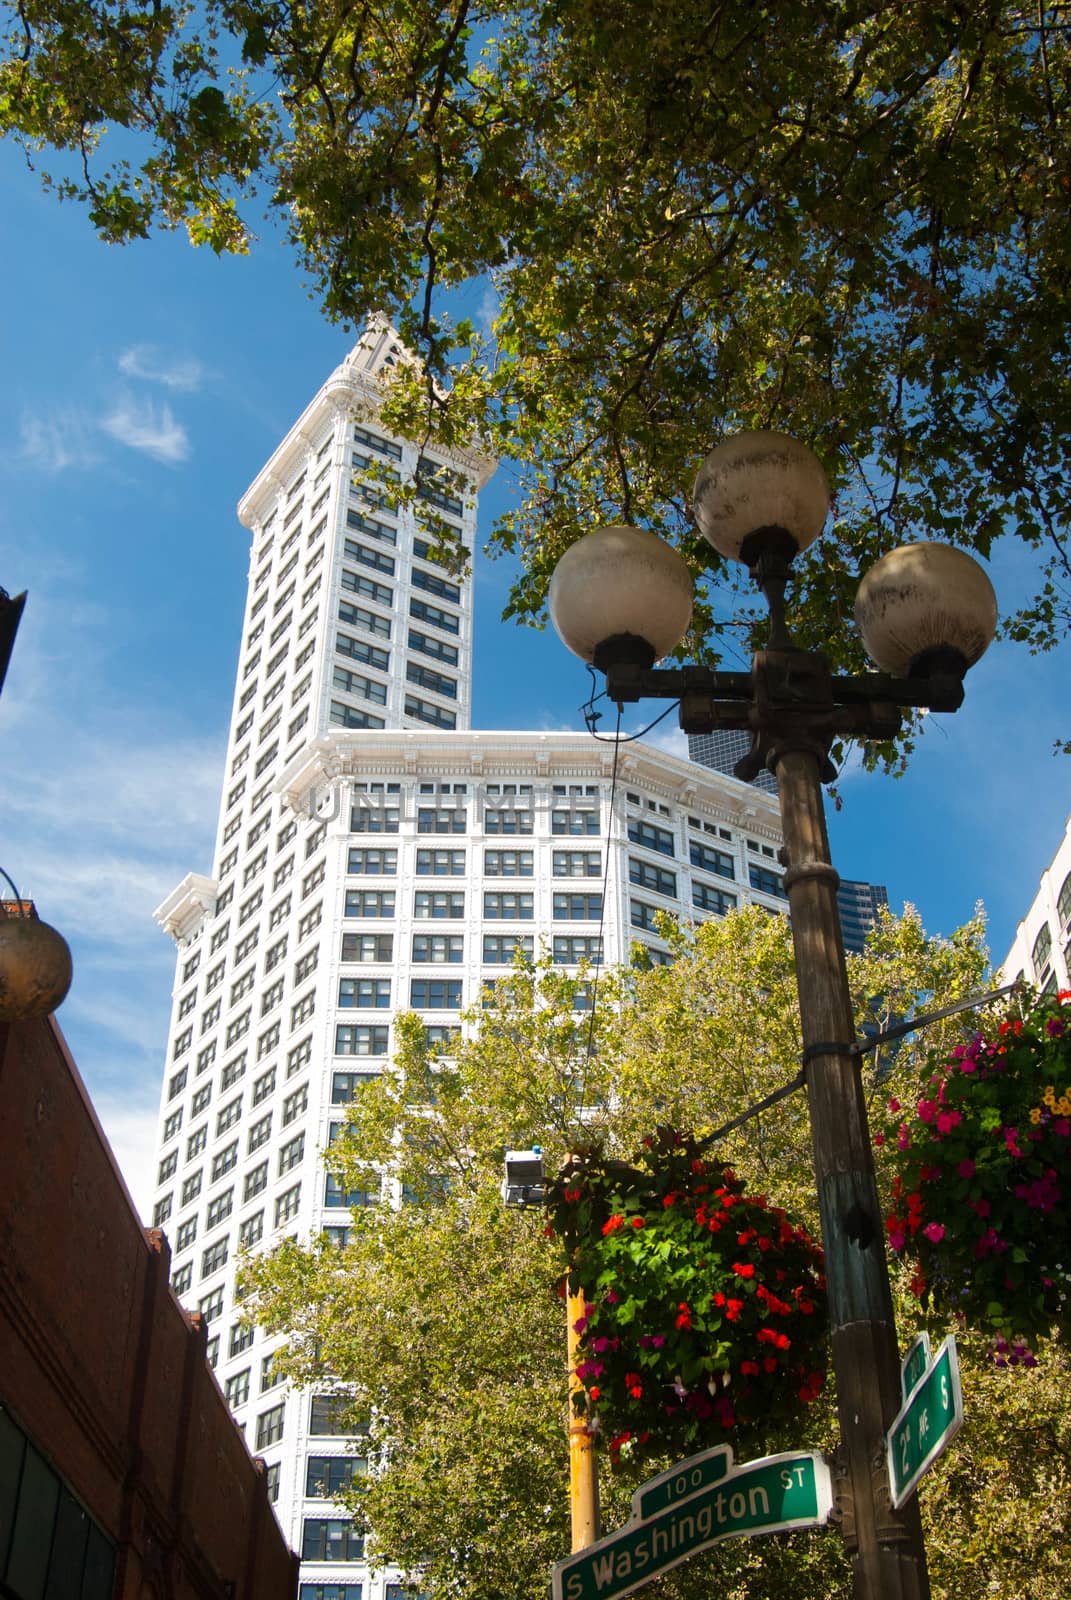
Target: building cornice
x,y
184,911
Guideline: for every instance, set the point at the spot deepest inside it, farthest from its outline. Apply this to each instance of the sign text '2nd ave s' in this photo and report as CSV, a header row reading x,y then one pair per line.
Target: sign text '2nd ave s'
x,y
693,1506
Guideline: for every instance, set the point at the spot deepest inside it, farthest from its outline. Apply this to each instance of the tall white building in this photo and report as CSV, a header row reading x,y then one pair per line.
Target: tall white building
x,y
375,854
1041,951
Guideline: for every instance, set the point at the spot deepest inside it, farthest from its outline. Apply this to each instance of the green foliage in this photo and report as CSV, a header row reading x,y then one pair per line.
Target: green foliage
x,y
844,221
982,1166
442,1319
704,1314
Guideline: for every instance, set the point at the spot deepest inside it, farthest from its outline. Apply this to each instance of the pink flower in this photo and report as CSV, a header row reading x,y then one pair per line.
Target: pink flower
x,y
897,1239
966,1169
1061,1126
947,1120
894,1105
879,1140
934,1231
1010,1137
927,1110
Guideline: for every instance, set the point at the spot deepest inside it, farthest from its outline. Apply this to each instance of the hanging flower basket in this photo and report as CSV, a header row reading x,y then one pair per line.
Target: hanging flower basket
x,y
704,1316
983,1180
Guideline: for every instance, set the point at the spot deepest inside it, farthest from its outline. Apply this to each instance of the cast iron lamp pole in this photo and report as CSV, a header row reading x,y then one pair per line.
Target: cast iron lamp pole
x,y
620,598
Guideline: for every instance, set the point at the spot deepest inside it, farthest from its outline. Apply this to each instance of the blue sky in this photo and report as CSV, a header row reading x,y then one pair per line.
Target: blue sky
x,y
143,387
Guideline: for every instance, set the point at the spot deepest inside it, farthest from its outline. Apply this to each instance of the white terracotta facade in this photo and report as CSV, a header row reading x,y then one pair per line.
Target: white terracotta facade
x,y
375,854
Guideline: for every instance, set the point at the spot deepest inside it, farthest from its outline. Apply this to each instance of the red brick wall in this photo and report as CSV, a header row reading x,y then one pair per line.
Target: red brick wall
x,y
99,1362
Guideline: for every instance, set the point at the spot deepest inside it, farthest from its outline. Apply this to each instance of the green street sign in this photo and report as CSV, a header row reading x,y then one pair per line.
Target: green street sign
x,y
931,1415
914,1365
691,1507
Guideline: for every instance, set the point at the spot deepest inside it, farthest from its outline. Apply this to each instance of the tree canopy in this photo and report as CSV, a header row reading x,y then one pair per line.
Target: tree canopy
x,y
846,220
440,1322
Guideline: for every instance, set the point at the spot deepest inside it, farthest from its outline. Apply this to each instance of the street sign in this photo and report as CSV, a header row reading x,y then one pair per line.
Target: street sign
x,y
691,1507
931,1415
914,1365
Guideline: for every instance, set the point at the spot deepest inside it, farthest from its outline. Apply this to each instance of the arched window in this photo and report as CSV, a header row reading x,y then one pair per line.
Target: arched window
x,y
1042,949
1063,904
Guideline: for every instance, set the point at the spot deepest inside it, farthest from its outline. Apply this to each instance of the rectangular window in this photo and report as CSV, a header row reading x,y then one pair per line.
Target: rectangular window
x,y
356,683
374,441
191,1188
182,1278
378,560
259,1134
186,1234
360,1039
438,649
646,875
255,1182
302,1010
329,1538
358,617
499,948
187,1003
190,966
428,678
173,1123
424,711
211,1305
372,863
370,655
161,1211
326,1477
236,1389
275,954
268,1041
299,1056
438,903
577,907
645,833
211,1016
576,823
288,1205
241,1337
367,588
369,903
196,1142
292,1154
707,898
435,994
229,1116
568,949
442,819
219,938
367,946
225,1161
295,1104
237,1028
279,912
251,1231
220,1208
508,905
439,947
345,1086
431,583
641,915
263,1087
271,997
434,616
214,1257
507,863
577,864
766,882
711,860
508,822
329,1417
270,1426
440,863
364,994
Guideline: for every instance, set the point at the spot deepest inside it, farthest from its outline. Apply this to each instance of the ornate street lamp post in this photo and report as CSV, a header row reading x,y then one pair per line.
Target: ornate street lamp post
x,y
620,598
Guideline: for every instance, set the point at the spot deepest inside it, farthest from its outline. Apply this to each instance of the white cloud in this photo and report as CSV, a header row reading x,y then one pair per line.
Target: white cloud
x,y
131,1132
141,426
57,443
144,361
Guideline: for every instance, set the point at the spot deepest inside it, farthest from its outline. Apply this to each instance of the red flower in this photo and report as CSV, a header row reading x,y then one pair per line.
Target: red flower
x,y
733,1310
637,1222
685,1318
612,1225
594,1392
743,1269
750,1369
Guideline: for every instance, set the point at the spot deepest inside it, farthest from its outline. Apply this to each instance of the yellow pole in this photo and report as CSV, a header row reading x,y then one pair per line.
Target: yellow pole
x,y
583,1478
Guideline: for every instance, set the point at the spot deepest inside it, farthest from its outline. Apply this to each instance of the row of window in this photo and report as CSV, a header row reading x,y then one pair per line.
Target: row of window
x,y
454,819
382,862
